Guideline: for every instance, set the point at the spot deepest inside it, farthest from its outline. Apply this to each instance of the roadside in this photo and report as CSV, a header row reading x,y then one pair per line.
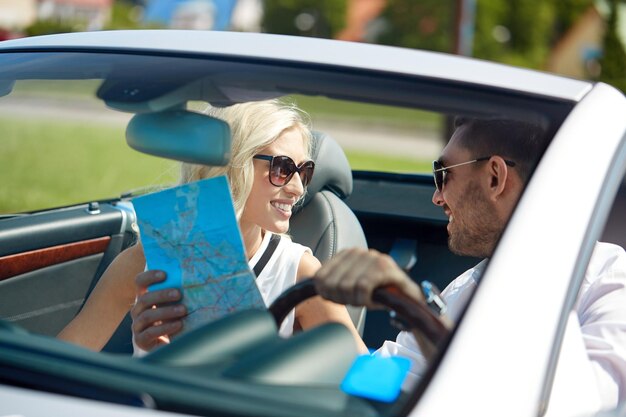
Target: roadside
x,y
376,138
383,139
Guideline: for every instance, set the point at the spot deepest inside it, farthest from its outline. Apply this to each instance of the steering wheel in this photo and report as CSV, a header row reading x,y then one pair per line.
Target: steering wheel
x,y
416,316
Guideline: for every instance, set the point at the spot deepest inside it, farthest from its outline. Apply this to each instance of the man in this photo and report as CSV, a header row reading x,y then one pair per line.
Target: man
x,y
479,179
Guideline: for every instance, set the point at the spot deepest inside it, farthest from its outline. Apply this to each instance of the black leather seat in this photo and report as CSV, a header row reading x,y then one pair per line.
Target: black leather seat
x,y
323,221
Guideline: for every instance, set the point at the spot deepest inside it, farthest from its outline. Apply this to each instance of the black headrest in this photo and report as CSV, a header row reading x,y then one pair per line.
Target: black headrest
x,y
332,170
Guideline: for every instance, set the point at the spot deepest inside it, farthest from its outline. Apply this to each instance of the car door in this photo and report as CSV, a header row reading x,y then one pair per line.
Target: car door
x,y
516,321
65,165
51,260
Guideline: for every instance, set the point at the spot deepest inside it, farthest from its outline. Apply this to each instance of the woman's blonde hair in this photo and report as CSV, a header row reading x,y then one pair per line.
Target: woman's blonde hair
x,y
253,126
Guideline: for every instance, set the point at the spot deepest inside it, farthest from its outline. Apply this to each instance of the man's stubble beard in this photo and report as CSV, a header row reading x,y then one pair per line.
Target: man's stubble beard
x,y
478,229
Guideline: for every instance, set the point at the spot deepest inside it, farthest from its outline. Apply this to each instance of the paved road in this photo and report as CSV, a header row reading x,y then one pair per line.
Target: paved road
x,y
366,137
383,139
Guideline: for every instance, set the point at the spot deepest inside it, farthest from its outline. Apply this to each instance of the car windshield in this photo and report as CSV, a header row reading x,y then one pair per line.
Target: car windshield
x,y
391,164
86,107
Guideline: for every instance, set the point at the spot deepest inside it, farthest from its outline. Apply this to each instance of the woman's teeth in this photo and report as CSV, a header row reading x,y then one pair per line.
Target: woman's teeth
x,y
282,206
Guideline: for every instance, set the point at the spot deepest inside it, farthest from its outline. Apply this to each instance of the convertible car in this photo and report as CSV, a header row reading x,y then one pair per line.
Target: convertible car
x,y
90,120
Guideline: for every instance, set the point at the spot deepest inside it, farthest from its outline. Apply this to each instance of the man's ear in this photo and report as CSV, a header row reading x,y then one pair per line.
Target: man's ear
x,y
498,176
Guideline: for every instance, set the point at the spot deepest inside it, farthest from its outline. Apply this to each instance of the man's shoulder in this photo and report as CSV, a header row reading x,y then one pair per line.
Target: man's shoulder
x,y
607,258
467,279
607,251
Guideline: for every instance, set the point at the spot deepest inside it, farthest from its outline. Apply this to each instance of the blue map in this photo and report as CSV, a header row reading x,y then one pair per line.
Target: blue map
x,y
191,232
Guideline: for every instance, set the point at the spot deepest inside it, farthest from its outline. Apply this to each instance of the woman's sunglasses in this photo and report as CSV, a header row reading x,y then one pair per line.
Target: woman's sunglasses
x,y
439,171
282,169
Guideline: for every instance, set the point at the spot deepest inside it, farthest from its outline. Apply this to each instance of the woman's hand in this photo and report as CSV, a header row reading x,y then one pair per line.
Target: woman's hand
x,y
157,315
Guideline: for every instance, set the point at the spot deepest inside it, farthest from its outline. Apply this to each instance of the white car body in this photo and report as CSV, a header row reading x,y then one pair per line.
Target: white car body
x,y
504,352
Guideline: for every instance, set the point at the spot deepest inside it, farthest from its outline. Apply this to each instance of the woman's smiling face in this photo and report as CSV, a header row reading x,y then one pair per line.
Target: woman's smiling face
x,y
268,206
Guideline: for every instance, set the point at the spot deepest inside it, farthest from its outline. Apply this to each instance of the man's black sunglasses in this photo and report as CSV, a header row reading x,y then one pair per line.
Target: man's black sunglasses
x,y
282,169
439,171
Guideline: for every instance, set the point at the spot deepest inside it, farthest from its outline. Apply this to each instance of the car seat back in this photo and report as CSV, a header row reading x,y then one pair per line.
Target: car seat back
x,y
323,221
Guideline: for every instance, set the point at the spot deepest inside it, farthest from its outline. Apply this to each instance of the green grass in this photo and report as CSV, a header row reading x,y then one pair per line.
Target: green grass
x,y
55,163
374,113
85,89
376,162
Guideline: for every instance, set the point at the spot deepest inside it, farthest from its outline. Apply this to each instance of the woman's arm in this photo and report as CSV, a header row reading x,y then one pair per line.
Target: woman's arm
x,y
108,303
316,310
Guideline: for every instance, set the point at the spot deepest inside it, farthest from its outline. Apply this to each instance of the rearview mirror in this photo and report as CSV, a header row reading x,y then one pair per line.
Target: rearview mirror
x,y
181,135
6,86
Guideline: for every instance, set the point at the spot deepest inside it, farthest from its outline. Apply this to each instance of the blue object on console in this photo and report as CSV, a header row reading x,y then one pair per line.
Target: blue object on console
x,y
376,377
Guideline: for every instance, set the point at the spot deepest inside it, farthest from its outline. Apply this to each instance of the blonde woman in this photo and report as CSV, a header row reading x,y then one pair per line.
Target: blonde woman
x,y
268,173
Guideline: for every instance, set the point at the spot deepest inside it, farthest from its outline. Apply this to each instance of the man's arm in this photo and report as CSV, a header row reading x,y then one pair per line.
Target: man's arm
x,y
352,276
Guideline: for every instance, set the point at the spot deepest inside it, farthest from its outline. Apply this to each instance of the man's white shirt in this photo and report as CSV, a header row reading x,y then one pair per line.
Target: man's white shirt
x,y
593,353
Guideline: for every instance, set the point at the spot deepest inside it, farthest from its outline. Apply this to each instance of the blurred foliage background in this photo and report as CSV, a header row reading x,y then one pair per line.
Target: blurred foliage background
x,y
613,61
531,34
516,32
317,18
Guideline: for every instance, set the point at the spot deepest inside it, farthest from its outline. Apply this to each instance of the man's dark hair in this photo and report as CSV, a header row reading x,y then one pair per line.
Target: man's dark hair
x,y
518,141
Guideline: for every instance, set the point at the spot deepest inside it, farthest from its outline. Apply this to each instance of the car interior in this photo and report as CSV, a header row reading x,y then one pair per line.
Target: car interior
x,y
242,347
51,258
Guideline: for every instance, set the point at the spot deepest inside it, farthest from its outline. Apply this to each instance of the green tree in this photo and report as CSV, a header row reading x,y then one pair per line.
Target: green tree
x,y
613,60
424,24
126,14
316,18
50,26
515,32
567,13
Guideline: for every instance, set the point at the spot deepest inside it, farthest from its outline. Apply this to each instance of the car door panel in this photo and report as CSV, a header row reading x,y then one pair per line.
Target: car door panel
x,y
43,301
20,263
50,261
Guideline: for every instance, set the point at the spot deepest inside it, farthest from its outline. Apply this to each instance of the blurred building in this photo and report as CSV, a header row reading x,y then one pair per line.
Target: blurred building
x,y
242,15
576,54
93,13
247,16
16,15
360,16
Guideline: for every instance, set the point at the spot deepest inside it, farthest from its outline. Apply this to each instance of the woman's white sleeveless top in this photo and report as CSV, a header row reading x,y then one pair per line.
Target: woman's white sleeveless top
x,y
279,273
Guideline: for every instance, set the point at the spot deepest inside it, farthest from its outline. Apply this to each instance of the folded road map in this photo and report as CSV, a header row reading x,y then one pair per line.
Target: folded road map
x,y
191,232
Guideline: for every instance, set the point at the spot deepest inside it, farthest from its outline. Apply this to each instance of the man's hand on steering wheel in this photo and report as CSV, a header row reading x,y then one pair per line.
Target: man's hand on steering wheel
x,y
353,276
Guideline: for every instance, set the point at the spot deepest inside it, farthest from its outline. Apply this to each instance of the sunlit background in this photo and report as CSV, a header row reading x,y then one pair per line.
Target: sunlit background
x,y
577,38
